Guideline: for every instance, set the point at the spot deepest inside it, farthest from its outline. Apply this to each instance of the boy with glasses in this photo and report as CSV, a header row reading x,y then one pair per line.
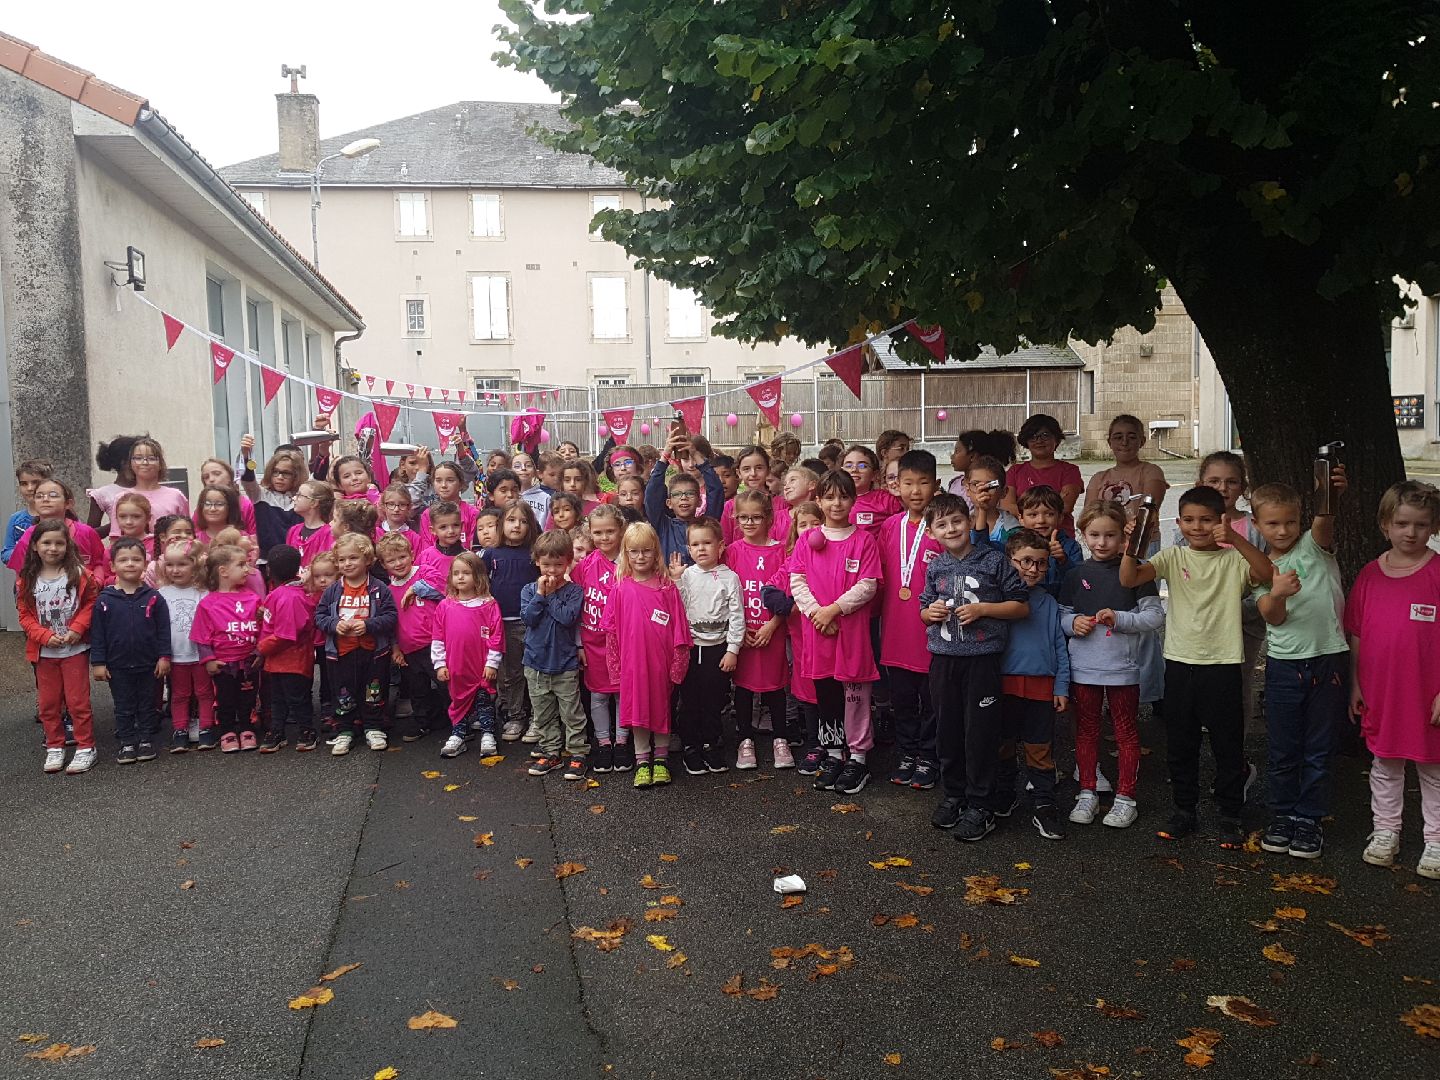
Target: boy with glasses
x,y
670,508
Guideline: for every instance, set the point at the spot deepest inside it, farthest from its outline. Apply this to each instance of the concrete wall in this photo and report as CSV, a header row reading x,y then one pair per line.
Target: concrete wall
x,y
548,253
1414,358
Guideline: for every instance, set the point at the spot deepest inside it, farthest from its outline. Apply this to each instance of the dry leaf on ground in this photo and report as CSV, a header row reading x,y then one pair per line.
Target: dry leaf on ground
x,y
343,969
387,1073
1365,935
999,1042
669,858
1048,1039
1306,883
616,930
892,1059
918,890
430,1020
467,818
1238,1007
1424,1020
591,783
660,914
485,839
891,861
431,774
62,1052
1200,1047
208,1044
1277,953
316,995
1117,1012
649,882
509,984
569,869
1296,914
793,900
1180,963
732,985
523,863
1023,961
658,941
491,760
452,787
986,889
187,884
904,922
597,809
780,830
31,1038
846,808
676,960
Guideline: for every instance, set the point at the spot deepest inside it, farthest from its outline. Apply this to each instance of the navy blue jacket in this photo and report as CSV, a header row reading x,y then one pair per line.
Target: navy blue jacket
x,y
550,627
382,622
511,569
672,531
130,630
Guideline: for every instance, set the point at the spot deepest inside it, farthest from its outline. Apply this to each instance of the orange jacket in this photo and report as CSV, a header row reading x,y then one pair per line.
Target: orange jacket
x,y
37,636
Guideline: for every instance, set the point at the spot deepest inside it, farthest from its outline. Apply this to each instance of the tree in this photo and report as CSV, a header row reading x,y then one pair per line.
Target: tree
x,y
1027,170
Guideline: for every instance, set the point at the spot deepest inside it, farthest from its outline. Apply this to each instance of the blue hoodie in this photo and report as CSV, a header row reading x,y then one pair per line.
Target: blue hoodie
x,y
1037,644
130,630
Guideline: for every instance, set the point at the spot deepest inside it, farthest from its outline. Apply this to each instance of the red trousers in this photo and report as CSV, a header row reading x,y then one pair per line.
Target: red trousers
x,y
1124,715
187,681
65,684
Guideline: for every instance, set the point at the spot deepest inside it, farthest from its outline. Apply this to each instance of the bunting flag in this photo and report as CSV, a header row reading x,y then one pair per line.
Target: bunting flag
x,y
428,391
385,418
220,358
933,338
446,425
389,387
766,396
370,383
619,422
848,365
460,394
693,410
328,399
173,326
445,395
410,389
273,380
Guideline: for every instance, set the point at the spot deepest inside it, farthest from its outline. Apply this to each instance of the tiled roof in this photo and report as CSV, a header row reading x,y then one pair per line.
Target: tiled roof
x,y
470,143
74,83
1027,356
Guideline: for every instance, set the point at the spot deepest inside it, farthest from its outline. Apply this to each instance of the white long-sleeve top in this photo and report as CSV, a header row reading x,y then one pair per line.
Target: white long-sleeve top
x,y
713,606
437,647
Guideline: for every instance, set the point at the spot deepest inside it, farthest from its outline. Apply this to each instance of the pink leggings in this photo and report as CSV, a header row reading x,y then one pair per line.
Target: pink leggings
x,y
1124,712
1387,795
187,681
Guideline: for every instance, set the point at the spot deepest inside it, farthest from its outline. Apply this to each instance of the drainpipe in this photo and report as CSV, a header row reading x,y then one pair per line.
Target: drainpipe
x,y
340,381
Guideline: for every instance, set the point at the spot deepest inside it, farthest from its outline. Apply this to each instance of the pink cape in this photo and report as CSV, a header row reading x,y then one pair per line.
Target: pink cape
x,y
829,573
645,628
758,670
596,575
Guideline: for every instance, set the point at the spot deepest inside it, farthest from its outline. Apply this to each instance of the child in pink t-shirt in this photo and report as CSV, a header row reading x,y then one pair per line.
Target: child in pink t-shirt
x,y
227,630
53,500
315,503
801,691
595,573
396,506
466,646
416,596
449,485
753,465
873,502
1041,435
351,478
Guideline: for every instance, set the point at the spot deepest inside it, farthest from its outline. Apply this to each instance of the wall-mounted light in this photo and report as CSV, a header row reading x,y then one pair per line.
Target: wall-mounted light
x,y
133,267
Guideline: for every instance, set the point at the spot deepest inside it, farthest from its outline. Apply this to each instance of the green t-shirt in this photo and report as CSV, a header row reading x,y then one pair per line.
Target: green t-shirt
x,y
1202,618
1313,616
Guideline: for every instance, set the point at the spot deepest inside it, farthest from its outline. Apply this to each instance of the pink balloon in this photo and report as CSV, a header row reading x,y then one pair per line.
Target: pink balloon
x,y
732,420
796,420
644,429
815,538
942,416
602,430
544,435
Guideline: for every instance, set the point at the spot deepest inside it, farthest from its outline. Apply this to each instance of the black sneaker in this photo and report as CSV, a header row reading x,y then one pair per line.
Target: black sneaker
x,y
179,741
1180,825
128,755
1308,841
306,740
575,766
1278,835
1232,834
1009,805
974,824
209,739
1047,823
714,759
904,771
693,758
272,742
413,735
624,757
602,758
828,773
543,764
810,764
853,777
947,814
926,773
145,751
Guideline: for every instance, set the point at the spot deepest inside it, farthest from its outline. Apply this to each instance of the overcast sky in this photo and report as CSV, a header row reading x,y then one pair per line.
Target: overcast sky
x,y
213,69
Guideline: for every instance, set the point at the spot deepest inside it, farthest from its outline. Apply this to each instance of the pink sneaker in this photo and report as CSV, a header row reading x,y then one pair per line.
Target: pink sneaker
x,y
745,756
783,758
248,740
229,743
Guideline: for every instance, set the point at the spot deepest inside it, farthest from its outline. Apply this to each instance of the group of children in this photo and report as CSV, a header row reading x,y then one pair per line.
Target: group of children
x,y
612,626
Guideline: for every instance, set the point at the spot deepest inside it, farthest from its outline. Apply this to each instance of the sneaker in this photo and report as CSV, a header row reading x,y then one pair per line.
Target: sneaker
x,y
1251,775
306,740
745,755
229,743
660,772
82,762
780,752
54,759
248,740
1086,806
947,814
128,755
207,740
904,771
1009,805
1308,841
1121,815
512,731
488,745
1232,834
624,757
341,746
575,767
1278,834
693,760
1046,820
828,773
1180,825
811,762
853,777
455,745
602,758
543,764
974,824
644,777
531,736
926,774
376,740
414,735
1381,848
1102,785
272,742
715,759
179,741
1429,864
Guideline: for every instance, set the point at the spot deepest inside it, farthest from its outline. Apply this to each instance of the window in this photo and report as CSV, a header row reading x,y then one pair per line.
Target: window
x,y
598,203
612,380
497,382
609,315
485,217
256,199
684,316
417,316
412,213
687,380
489,307
1087,392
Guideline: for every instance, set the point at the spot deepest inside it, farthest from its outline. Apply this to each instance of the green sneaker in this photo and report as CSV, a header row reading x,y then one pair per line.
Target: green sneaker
x,y
643,775
661,771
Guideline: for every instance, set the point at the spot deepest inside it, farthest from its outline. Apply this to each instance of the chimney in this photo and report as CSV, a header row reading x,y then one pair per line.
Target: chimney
x,y
299,120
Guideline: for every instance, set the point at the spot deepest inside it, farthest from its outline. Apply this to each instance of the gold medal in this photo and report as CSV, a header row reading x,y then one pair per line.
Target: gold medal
x,y
904,592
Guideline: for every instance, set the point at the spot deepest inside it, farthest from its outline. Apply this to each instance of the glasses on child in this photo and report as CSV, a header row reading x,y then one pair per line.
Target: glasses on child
x,y
749,519
856,466
1029,564
688,496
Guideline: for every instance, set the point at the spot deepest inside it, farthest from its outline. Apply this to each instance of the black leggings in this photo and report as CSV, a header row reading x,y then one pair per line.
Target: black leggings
x,y
235,688
745,712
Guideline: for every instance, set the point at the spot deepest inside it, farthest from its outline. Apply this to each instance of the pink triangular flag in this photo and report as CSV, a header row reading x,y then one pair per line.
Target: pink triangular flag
x,y
272,380
173,326
220,358
446,424
848,365
385,417
410,389
445,394
389,387
766,396
693,409
503,401
327,399
428,391
370,383
460,395
932,338
618,421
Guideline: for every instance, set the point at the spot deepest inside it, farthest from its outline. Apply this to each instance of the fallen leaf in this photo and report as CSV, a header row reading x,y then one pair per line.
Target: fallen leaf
x,y
1269,926
793,900
1306,883
891,861
485,839
344,969
430,1020
657,941
821,970
846,808
80,1051
569,869
316,995
1200,1047
918,890
467,818
31,1039
660,914
892,1059
764,992
1365,935
523,863
780,830
673,900
1117,1012
452,787
966,941
1296,914
608,946
1182,964
431,774
53,1052
1023,961
208,1044
1022,866
1407,978
1312,1059
1278,954
649,882
591,783
187,884
616,930
491,760
402,884
597,809
1252,843
1424,1020
1001,1043
509,984
387,1073
676,960
1242,1008
1048,1039
669,858
986,889
904,922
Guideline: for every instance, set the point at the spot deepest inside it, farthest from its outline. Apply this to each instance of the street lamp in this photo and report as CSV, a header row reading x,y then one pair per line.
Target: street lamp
x,y
358,148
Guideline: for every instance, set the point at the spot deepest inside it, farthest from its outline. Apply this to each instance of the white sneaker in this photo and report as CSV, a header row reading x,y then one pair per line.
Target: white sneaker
x,y
404,709
1122,815
376,740
1429,864
1382,848
341,746
512,730
488,745
1085,808
745,754
454,746
54,759
784,759
532,734
1102,785
82,762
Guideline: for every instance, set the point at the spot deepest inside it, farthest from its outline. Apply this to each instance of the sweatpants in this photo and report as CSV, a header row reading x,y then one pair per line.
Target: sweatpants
x,y
844,715
291,701
774,701
555,709
1205,695
1089,701
361,681
63,684
965,692
135,717
702,698
189,681
1031,724
429,698
236,685
914,713
514,700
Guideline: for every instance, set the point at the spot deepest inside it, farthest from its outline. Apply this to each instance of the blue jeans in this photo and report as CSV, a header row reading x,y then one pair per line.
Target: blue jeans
x,y
1305,703
135,717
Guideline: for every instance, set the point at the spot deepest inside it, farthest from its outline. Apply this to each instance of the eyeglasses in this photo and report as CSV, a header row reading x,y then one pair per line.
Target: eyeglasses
x,y
1042,436
396,506
145,459
1030,564
283,472
688,496
214,505
749,519
856,466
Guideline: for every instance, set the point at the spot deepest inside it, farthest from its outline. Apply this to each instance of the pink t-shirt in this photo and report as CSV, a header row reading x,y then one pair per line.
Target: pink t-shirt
x,y
470,633
1062,474
1398,623
764,669
902,643
88,544
469,514
830,572
645,627
414,630
800,686
595,573
163,501
309,546
410,534
872,509
228,624
779,520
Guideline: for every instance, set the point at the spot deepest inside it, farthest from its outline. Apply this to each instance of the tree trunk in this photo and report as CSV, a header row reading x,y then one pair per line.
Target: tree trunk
x,y
1301,371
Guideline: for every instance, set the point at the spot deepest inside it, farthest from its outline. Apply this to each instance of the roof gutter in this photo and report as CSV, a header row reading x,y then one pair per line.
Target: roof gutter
x,y
157,128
